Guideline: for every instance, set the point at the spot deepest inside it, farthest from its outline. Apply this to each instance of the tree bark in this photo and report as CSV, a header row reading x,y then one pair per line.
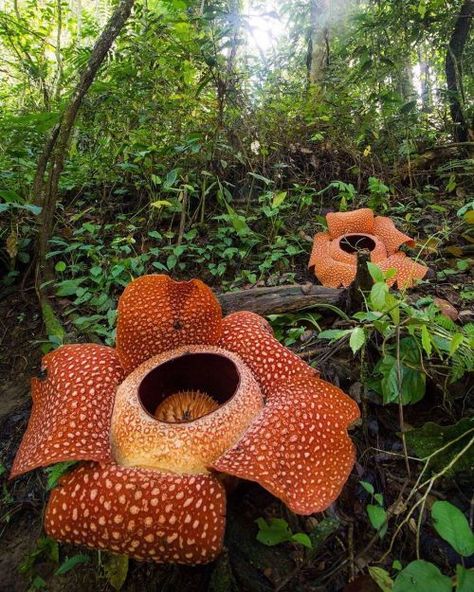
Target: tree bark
x,y
281,299
425,80
459,37
318,47
57,146
406,88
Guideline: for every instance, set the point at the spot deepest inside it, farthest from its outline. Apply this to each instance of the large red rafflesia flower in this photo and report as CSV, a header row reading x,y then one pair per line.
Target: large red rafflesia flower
x,y
186,396
334,258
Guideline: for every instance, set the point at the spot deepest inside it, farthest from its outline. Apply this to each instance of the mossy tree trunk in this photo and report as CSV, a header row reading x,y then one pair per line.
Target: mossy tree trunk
x,y
51,161
460,35
318,48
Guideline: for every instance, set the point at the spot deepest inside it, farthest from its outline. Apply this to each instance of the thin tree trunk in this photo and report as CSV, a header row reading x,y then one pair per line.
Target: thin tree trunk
x,y
58,147
459,37
318,48
59,62
37,189
426,86
406,88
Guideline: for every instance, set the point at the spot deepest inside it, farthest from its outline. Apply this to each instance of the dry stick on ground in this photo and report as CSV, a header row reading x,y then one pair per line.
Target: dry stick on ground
x,y
57,146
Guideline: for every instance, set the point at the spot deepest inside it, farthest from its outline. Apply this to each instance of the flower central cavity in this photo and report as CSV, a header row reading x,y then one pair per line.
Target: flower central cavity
x,y
185,406
180,411
351,243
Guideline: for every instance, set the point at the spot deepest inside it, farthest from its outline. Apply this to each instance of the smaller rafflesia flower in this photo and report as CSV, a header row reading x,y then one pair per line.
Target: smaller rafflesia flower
x,y
333,257
186,398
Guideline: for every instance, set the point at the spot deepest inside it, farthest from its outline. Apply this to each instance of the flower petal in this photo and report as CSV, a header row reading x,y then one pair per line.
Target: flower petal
x,y
72,407
357,221
392,238
408,271
156,313
298,448
320,248
141,513
334,274
248,335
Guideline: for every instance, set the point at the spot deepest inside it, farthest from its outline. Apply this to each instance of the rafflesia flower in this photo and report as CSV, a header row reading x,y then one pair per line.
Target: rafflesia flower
x,y
185,398
334,258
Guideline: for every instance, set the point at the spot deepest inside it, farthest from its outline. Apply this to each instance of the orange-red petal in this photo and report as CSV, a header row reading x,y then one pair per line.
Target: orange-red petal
x,y
298,448
357,221
320,248
72,407
334,274
408,271
156,313
248,335
144,514
392,238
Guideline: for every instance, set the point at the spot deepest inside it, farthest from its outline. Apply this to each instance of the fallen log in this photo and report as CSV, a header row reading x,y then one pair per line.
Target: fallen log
x,y
280,299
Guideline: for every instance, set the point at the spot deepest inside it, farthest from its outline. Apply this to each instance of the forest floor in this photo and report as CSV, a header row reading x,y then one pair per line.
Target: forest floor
x,y
346,542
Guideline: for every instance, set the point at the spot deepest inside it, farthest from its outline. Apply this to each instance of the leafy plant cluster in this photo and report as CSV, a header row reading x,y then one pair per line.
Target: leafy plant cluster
x,y
410,338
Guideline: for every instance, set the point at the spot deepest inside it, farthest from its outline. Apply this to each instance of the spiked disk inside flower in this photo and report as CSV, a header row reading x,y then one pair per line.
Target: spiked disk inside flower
x,y
185,406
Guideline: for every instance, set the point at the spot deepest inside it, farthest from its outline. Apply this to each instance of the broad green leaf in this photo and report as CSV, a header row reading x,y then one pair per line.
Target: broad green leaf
x,y
421,576
368,487
170,179
273,532
116,569
160,203
333,333
464,579
382,578
71,563
324,529
302,539
56,471
261,178
357,339
452,526
378,518
69,287
431,437
60,266
11,196
378,497
279,198
456,341
238,222
426,340
378,294
375,272
171,261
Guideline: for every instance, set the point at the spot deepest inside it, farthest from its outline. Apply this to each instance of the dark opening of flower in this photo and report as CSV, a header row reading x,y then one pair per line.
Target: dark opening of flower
x,y
352,243
186,395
